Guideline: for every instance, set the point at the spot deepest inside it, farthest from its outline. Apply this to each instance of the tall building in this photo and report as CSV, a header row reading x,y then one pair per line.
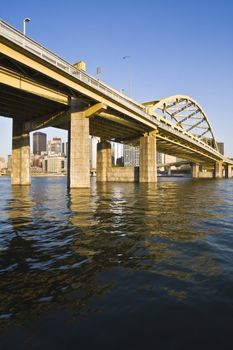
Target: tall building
x,y
65,149
93,151
117,153
39,142
55,146
131,155
169,159
160,158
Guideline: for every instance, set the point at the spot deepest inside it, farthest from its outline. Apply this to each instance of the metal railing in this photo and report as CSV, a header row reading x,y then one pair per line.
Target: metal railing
x,y
30,45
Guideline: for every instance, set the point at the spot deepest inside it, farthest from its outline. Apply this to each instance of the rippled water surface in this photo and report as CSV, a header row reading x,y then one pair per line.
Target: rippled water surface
x,y
118,266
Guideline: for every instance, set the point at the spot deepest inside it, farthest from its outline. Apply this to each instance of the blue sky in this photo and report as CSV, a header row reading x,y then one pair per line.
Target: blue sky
x,y
176,47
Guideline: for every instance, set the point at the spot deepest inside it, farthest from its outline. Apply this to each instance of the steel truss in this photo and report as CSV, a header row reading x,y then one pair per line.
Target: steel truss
x,y
186,113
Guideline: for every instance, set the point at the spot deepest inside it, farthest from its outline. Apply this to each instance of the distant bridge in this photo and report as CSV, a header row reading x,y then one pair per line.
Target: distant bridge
x,y
39,89
176,164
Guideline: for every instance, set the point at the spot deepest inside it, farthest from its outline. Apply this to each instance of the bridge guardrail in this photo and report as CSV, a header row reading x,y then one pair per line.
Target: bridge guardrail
x,y
17,37
14,35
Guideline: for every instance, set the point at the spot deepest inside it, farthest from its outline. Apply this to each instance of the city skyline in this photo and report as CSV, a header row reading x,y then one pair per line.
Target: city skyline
x,y
50,135
187,50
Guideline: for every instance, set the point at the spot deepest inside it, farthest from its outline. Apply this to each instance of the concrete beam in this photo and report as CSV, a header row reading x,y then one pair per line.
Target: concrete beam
x,y
46,121
18,81
122,121
97,108
178,143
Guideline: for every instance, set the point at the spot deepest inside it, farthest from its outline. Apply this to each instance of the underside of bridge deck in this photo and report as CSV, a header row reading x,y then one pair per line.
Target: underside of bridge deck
x,y
38,89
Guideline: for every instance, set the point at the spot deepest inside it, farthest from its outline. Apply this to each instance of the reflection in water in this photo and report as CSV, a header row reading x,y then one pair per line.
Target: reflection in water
x,y
18,210
110,256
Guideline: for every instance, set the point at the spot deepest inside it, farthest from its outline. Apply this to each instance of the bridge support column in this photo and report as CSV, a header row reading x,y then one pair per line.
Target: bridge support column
x,y
195,170
147,160
20,174
104,160
79,149
228,171
218,168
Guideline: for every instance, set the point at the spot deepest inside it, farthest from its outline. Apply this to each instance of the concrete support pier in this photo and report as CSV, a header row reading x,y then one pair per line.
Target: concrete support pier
x,y
218,168
147,160
195,170
20,174
79,149
228,171
104,160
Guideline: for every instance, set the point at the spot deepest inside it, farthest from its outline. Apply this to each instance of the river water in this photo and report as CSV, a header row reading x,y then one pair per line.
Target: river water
x,y
118,266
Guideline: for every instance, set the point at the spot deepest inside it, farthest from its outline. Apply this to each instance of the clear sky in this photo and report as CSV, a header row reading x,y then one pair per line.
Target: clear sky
x,y
175,47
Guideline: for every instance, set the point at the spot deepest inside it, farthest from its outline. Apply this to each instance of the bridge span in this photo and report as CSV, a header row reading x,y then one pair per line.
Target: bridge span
x,y
39,89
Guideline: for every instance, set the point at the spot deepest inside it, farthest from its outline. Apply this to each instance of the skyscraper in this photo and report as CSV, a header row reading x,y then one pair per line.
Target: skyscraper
x,y
39,142
55,146
131,155
117,153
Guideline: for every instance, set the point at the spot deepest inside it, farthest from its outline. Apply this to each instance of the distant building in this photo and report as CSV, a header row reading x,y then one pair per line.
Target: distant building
x,y
55,146
136,156
131,155
120,161
39,142
160,158
9,163
128,154
169,159
65,149
36,160
163,158
2,163
221,147
54,164
93,151
117,153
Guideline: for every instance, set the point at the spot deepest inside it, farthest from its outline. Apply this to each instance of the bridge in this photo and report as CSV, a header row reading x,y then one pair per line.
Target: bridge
x,y
39,89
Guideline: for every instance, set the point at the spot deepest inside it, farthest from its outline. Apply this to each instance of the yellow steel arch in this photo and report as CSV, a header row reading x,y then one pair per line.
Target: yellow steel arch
x,y
186,113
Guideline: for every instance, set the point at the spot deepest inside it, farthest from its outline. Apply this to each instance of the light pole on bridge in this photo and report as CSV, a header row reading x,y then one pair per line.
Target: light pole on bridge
x,y
26,20
129,74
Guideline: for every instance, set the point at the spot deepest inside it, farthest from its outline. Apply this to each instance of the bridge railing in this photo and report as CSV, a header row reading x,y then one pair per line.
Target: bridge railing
x,y
32,46
20,39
